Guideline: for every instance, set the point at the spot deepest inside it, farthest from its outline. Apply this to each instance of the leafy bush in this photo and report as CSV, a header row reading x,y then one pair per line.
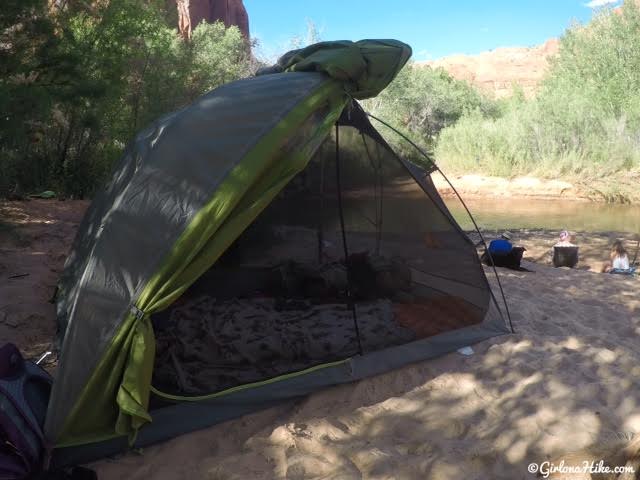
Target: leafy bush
x,y
585,120
76,85
421,101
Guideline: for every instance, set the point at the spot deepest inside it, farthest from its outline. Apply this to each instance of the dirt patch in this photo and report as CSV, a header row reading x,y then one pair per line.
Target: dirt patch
x,y
35,237
474,186
619,188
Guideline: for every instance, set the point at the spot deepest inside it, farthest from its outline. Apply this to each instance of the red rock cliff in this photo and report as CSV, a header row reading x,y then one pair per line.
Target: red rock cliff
x,y
230,12
496,71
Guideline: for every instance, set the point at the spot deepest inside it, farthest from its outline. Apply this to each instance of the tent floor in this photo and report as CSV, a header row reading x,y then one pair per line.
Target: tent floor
x,y
206,345
268,308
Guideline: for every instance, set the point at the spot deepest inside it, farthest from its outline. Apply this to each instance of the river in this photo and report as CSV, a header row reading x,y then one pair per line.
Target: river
x,y
508,213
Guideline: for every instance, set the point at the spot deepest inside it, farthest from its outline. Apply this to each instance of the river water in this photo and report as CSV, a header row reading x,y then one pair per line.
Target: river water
x,y
508,213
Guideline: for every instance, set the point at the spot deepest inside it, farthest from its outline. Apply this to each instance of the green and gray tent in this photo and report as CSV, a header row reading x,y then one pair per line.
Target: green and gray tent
x,y
258,245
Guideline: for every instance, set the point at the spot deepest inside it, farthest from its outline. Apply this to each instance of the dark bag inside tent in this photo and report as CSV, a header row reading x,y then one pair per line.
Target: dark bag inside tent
x,y
356,254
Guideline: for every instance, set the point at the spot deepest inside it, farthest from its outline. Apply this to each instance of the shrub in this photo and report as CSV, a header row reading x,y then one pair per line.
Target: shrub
x,y
584,121
77,85
421,101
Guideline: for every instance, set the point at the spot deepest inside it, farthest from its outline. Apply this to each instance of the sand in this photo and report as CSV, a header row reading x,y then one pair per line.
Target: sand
x,y
621,188
471,186
568,379
35,237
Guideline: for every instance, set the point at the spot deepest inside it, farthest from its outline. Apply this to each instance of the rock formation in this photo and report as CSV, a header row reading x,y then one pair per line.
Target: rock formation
x,y
497,70
230,12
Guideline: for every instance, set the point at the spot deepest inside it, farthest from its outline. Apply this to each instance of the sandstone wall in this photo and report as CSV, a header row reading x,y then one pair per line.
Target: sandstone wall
x,y
230,12
497,70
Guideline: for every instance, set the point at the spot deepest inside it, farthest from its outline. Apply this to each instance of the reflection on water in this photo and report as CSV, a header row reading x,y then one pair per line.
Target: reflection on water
x,y
496,214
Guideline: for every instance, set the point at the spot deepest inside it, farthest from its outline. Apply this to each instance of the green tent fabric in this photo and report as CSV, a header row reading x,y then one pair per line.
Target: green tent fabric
x,y
236,202
186,188
365,67
113,398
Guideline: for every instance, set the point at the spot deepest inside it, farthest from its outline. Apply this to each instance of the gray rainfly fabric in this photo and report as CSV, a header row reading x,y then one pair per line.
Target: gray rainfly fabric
x,y
156,191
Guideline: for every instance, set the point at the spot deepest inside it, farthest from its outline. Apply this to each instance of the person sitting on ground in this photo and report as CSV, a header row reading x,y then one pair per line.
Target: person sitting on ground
x,y
564,253
619,259
564,240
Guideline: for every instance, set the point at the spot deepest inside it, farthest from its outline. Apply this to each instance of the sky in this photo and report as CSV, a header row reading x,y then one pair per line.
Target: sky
x,y
433,28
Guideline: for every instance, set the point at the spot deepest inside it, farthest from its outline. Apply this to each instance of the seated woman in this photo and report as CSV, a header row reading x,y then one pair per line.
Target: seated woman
x,y
564,253
619,260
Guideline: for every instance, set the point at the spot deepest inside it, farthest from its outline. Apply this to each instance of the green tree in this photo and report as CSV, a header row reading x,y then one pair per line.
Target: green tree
x,y
36,72
421,101
584,122
215,55
78,83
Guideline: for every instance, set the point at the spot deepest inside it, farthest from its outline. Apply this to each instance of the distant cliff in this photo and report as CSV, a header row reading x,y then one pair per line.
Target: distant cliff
x,y
497,70
230,12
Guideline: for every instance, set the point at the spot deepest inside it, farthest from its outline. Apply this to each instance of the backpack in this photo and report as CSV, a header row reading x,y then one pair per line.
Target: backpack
x,y
24,394
510,260
500,247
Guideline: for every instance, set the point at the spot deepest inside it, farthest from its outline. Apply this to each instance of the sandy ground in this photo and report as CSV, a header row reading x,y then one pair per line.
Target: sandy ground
x,y
35,237
470,186
620,188
568,379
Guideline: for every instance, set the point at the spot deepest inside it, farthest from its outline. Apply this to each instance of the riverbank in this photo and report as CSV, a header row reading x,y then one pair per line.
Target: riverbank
x,y
617,189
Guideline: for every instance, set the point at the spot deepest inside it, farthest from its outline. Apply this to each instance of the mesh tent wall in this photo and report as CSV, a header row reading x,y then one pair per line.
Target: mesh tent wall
x,y
184,192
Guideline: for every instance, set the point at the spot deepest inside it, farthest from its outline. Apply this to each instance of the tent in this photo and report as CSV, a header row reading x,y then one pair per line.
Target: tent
x,y
255,246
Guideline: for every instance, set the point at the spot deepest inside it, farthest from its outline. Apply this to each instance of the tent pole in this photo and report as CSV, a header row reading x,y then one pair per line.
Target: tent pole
x,y
378,192
484,243
321,219
350,301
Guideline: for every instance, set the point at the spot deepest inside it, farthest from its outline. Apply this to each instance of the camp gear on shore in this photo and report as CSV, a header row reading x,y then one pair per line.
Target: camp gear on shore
x,y
500,246
565,256
502,253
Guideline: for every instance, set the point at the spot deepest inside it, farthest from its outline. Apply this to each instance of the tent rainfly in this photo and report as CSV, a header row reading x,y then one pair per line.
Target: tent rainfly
x,y
257,245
